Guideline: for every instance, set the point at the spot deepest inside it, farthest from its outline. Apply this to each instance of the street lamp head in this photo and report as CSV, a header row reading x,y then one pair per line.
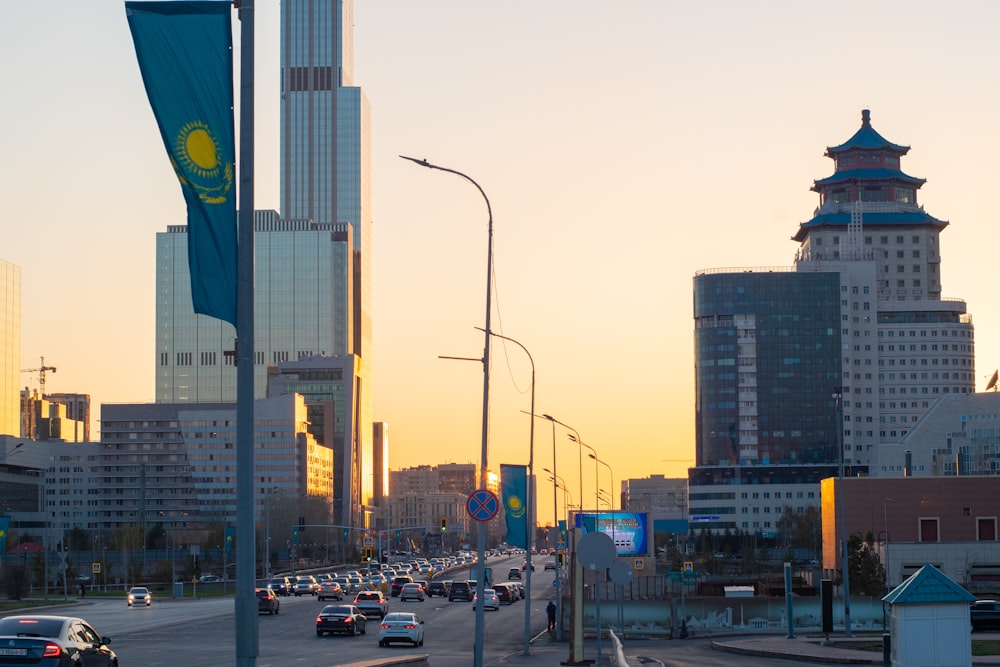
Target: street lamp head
x,y
592,456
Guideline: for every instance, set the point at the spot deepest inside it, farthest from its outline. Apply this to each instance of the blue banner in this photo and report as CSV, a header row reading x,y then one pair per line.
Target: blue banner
x,y
4,525
185,55
230,536
513,489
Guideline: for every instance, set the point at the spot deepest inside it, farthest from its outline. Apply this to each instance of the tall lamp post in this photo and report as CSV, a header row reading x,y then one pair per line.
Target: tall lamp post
x,y
597,479
529,506
481,543
838,400
556,421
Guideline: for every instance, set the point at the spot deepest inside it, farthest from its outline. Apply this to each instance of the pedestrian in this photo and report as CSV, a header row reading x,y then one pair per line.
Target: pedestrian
x,y
550,611
83,590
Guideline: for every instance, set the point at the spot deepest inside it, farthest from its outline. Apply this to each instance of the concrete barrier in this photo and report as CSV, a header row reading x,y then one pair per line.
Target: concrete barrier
x,y
401,661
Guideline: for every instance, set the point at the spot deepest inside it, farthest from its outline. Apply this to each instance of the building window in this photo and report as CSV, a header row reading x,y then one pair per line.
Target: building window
x,y
986,528
929,529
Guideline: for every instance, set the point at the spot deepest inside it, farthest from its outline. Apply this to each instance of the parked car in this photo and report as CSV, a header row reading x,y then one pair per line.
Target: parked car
x,y
267,601
280,585
209,579
53,640
460,590
437,588
305,585
345,619
398,583
412,591
984,614
329,590
490,600
514,573
139,595
372,603
401,626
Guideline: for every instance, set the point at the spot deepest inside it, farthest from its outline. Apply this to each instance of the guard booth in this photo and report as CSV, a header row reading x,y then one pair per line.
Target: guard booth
x,y
929,621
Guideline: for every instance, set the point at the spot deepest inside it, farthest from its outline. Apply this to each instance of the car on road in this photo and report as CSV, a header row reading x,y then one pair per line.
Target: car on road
x,y
490,599
437,588
527,565
514,573
984,614
267,601
209,579
345,619
280,585
412,591
53,641
398,583
505,593
372,603
550,565
139,595
460,590
401,626
305,585
329,590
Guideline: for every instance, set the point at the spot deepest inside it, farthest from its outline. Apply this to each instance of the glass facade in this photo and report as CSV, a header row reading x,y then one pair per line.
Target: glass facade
x,y
767,359
10,349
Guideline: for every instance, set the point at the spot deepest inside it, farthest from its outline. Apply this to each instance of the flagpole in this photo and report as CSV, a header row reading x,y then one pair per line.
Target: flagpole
x,y
247,631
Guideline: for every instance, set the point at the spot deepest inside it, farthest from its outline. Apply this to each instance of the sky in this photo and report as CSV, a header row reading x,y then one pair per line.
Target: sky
x,y
623,147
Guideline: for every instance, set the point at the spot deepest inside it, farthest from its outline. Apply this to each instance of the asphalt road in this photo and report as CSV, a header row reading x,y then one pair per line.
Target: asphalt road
x,y
192,632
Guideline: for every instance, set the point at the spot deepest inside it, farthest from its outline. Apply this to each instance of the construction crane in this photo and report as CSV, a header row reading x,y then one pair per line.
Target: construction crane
x,y
41,375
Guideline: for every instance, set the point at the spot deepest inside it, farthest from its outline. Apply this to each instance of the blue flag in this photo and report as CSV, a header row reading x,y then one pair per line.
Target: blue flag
x,y
185,55
514,491
4,525
230,536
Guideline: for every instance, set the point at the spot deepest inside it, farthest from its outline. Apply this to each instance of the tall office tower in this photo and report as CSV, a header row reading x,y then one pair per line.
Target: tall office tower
x,y
902,345
847,349
10,349
312,263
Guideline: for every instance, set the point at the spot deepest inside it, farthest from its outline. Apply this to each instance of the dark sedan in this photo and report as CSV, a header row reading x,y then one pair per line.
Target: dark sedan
x,y
341,618
267,601
52,641
985,614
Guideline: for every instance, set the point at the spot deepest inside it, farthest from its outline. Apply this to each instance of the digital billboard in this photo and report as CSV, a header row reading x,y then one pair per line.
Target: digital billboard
x,y
628,530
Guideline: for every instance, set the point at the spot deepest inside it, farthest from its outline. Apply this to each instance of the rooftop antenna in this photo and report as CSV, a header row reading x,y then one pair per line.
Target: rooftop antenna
x,y
992,384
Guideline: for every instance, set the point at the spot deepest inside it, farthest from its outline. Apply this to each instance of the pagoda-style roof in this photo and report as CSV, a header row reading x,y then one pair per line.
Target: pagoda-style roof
x,y
842,218
929,586
862,174
866,138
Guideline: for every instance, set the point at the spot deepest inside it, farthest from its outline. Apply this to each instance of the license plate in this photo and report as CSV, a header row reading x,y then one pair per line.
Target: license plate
x,y
13,651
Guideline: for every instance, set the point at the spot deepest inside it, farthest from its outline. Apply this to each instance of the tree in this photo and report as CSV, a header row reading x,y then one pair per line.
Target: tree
x,y
801,529
864,566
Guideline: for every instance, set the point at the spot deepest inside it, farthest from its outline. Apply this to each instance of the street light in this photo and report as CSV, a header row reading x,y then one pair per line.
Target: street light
x,y
612,473
481,545
529,505
597,479
838,401
556,421
885,521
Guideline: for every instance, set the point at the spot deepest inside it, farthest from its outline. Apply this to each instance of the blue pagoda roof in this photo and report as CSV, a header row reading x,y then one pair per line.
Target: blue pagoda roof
x,y
867,138
929,586
870,175
870,219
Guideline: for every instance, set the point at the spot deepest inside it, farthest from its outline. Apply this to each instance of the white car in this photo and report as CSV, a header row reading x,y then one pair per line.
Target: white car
x,y
490,600
138,595
401,626
412,591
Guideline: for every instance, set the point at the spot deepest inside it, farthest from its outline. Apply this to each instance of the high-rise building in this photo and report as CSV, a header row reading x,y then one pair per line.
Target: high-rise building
x,y
10,348
799,369
312,269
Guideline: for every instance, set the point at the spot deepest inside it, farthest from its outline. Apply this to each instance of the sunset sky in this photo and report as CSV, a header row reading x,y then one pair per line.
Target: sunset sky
x,y
623,147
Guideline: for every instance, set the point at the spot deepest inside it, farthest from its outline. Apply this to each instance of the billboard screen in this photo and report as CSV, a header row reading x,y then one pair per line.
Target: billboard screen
x,y
628,530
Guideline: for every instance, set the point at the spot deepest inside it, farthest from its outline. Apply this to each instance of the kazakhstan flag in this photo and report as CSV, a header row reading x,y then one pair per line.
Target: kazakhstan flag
x,y
186,59
514,489
4,525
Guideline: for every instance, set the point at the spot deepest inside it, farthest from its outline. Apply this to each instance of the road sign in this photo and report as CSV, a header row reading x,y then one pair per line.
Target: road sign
x,y
482,505
369,542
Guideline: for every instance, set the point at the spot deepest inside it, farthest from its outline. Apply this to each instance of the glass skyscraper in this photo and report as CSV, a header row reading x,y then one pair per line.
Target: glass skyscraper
x,y
10,349
312,268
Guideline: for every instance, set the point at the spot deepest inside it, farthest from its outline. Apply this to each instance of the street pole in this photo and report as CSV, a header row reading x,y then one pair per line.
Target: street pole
x,y
484,451
838,399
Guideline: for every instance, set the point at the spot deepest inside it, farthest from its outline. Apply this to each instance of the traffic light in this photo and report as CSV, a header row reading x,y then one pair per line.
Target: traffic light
x,y
444,524
302,523
368,554
560,559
